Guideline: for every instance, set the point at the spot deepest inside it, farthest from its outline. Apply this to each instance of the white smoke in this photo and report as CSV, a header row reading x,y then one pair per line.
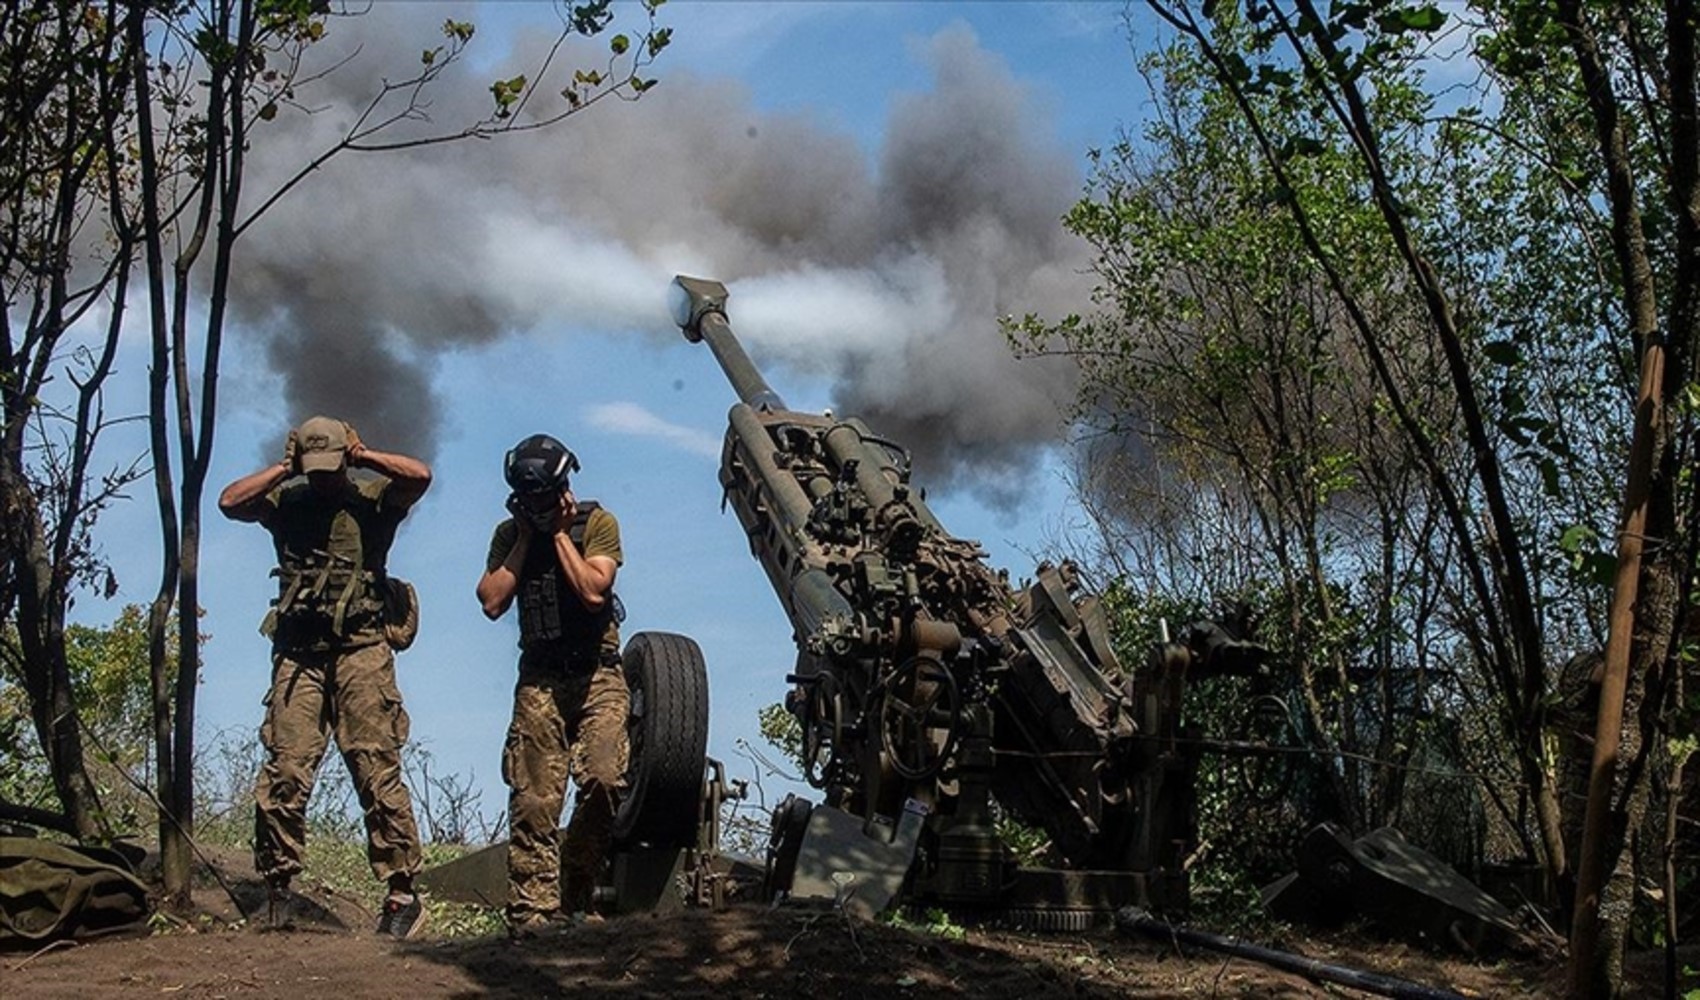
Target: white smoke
x,y
889,281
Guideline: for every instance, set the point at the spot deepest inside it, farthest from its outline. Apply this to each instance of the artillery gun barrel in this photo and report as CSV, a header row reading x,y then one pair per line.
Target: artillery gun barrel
x,y
791,556
812,599
699,307
792,503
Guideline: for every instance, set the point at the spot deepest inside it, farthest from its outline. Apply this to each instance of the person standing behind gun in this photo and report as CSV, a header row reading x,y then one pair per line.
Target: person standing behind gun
x,y
332,668
558,557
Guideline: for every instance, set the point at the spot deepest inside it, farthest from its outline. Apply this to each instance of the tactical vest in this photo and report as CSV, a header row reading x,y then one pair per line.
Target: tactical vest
x,y
552,620
331,580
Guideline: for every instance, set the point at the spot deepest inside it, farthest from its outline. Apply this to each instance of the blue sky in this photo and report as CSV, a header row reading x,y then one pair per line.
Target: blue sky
x,y
551,260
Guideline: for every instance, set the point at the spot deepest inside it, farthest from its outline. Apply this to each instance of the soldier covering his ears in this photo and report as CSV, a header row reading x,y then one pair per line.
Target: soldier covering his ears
x,y
557,557
332,667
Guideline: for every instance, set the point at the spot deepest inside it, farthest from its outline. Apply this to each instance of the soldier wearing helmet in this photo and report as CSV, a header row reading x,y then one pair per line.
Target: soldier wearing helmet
x,y
556,557
332,667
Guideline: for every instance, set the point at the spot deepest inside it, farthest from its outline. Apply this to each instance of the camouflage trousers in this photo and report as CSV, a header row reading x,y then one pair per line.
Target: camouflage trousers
x,y
564,726
353,695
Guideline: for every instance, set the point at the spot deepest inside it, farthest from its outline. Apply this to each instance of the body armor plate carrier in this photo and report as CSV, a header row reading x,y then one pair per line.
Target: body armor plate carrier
x,y
330,575
551,619
323,599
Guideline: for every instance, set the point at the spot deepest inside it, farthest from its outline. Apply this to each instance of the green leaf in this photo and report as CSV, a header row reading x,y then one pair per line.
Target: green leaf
x,y
1502,352
590,18
1422,18
1302,145
1597,568
507,93
1237,68
619,44
1353,15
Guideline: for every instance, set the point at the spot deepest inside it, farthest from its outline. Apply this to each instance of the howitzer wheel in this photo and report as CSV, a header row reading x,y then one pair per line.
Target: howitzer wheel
x,y
668,729
1267,776
789,824
920,716
823,729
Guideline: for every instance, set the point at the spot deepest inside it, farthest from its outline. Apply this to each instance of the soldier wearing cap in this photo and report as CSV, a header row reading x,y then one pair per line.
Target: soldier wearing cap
x,y
333,672
556,557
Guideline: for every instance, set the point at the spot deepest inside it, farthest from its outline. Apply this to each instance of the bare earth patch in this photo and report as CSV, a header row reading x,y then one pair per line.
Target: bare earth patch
x,y
745,951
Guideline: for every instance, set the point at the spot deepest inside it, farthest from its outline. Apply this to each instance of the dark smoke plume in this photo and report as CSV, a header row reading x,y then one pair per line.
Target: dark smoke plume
x,y
889,281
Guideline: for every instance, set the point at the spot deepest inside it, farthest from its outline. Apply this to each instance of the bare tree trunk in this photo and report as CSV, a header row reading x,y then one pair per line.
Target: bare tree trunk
x,y
1644,600
47,675
173,845
1673,805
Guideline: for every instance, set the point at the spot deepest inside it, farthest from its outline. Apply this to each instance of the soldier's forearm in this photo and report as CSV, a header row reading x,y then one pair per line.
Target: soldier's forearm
x,y
591,580
496,591
411,476
251,487
496,588
395,466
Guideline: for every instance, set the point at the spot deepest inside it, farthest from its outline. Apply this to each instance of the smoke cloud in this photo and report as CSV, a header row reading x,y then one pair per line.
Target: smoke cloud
x,y
886,276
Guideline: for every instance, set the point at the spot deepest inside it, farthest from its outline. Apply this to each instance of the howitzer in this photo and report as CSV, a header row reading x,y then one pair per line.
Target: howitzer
x,y
925,683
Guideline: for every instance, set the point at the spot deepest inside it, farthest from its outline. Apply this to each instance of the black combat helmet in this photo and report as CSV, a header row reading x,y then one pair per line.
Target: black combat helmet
x,y
539,464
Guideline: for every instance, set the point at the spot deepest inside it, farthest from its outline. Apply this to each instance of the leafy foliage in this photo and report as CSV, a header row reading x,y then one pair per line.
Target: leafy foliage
x,y
109,675
1354,369
1534,220
783,731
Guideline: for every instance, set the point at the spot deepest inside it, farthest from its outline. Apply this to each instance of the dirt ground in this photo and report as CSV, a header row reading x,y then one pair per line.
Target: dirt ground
x,y
743,951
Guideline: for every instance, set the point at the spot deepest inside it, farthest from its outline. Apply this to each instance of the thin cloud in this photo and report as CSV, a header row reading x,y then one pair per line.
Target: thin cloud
x,y
634,420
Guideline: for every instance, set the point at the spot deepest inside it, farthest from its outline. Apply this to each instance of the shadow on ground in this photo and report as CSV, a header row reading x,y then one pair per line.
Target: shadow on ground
x,y
754,951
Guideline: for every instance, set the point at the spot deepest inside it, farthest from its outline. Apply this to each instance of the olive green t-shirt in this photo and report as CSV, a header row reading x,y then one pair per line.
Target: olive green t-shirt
x,y
601,538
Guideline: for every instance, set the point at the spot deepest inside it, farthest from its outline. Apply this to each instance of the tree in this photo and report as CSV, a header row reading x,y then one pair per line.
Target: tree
x,y
1219,343
1602,55
1626,75
64,128
1266,438
110,691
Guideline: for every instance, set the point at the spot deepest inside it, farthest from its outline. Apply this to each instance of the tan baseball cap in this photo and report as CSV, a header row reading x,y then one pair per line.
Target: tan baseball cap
x,y
322,444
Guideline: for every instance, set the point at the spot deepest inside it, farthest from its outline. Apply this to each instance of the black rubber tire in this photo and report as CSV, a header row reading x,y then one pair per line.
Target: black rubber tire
x,y
668,729
784,842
